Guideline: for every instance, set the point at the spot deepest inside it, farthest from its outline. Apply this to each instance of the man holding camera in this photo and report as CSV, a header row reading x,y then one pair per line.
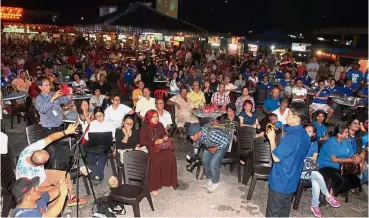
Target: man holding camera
x,y
216,144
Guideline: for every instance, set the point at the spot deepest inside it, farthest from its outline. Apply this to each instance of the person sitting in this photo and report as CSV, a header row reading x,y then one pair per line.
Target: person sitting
x,y
183,112
98,100
21,83
244,96
299,93
320,102
78,83
272,104
32,160
164,116
191,79
335,151
174,83
220,98
332,88
240,82
115,112
137,93
317,181
85,117
321,130
229,116
126,137
196,96
97,155
102,85
288,90
282,111
31,202
216,143
247,117
264,84
347,89
263,72
163,166
213,82
253,79
285,82
306,80
229,87
145,104
363,93
208,92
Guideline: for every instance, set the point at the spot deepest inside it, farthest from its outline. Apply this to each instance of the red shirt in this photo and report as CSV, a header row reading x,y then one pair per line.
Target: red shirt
x,y
72,60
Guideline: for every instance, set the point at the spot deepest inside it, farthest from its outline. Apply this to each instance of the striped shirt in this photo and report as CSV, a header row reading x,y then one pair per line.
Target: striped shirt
x,y
215,137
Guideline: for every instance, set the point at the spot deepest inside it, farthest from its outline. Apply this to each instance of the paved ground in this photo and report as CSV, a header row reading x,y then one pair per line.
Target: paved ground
x,y
192,200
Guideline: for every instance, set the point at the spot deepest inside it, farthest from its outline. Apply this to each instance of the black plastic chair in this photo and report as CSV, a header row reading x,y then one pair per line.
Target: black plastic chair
x,y
304,184
136,187
7,179
262,163
233,158
33,133
246,137
261,95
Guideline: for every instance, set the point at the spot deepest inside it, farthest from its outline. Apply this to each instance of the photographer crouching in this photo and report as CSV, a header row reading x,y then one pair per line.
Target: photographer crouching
x,y
215,143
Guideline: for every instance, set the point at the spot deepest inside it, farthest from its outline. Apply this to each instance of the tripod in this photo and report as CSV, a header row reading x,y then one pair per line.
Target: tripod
x,y
74,161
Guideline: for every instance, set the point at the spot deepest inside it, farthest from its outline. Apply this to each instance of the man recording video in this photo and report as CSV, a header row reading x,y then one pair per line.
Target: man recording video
x,y
32,160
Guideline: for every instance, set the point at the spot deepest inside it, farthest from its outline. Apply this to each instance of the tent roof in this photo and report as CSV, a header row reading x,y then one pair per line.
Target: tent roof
x,y
140,15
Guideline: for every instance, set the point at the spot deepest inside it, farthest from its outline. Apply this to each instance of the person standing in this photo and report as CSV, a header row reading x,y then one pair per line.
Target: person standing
x,y
312,68
288,159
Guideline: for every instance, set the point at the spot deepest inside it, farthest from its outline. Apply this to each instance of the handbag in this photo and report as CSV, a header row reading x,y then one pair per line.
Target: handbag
x,y
347,169
308,167
167,145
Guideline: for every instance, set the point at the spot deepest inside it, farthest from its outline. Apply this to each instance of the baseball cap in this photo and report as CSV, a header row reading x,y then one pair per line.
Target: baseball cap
x,y
193,129
23,185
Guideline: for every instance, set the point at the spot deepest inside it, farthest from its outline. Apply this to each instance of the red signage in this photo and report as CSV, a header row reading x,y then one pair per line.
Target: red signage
x,y
11,13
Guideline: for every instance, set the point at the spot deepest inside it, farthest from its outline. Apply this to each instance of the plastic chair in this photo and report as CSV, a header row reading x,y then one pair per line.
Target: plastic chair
x,y
33,133
304,184
260,95
246,137
7,179
262,163
136,187
233,157
160,94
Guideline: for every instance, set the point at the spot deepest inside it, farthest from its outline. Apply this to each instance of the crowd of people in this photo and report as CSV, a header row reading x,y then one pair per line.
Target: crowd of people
x,y
196,79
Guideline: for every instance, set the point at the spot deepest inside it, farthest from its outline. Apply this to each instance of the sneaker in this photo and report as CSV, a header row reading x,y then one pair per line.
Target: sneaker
x,y
207,184
73,202
316,211
212,187
333,202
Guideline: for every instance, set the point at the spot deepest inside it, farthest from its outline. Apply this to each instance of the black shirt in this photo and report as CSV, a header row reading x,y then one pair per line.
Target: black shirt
x,y
208,94
104,88
214,85
131,142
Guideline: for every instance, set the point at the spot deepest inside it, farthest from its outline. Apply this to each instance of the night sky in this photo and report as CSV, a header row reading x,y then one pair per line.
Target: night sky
x,y
235,16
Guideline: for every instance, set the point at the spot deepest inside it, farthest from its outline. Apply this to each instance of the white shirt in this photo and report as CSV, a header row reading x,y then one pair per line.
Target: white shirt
x,y
143,105
313,67
4,143
98,101
299,92
211,58
254,80
166,119
81,83
173,86
115,117
24,169
105,126
282,117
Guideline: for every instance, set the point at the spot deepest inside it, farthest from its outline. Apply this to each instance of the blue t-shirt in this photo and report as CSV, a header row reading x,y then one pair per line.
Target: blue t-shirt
x,y
248,120
261,75
128,76
284,83
346,91
323,93
313,149
245,76
333,90
353,144
355,76
364,140
279,75
170,74
34,212
306,80
271,104
291,152
267,86
364,91
89,72
320,130
332,147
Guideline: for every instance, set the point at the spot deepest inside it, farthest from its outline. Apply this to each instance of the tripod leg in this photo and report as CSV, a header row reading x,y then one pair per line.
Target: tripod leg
x,y
88,173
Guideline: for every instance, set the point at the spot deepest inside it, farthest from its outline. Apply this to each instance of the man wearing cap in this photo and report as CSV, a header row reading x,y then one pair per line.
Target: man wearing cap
x,y
33,158
216,144
32,203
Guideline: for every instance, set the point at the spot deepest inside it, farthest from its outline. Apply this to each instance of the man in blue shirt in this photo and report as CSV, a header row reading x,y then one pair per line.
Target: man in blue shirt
x,y
246,74
216,143
306,80
320,102
288,162
272,104
32,203
264,84
128,78
347,89
355,75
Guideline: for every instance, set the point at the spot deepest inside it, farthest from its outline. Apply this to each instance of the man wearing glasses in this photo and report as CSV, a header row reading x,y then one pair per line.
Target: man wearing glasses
x,y
115,112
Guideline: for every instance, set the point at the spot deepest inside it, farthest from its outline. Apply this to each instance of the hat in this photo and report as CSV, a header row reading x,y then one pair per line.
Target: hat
x,y
193,129
23,185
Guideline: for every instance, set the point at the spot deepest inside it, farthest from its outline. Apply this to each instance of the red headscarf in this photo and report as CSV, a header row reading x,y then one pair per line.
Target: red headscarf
x,y
149,114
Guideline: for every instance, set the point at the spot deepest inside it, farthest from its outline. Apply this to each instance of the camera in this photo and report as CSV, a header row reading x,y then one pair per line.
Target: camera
x,y
194,161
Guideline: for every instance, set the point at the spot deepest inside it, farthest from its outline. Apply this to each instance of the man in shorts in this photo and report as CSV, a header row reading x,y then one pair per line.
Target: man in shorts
x,y
321,95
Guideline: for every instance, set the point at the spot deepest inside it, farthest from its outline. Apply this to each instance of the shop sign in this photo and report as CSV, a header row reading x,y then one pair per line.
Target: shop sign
x,y
11,13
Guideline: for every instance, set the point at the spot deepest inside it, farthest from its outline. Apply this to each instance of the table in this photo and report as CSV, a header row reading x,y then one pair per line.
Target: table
x,y
160,81
81,96
348,101
172,92
65,81
15,95
251,90
70,117
203,115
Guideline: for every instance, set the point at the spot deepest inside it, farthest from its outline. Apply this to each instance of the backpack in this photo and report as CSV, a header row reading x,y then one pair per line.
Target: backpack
x,y
105,207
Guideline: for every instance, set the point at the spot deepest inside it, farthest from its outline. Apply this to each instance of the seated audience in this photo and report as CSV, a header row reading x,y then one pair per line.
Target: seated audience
x,y
213,82
244,96
264,84
228,85
137,93
196,96
164,116
102,85
299,93
21,83
208,92
272,104
98,100
229,116
220,97
183,112
174,83
321,130
247,117
286,81
253,79
97,154
33,158
145,104
282,111
347,89
320,102
115,112
306,80
317,181
240,82
78,83
163,166
288,89
85,117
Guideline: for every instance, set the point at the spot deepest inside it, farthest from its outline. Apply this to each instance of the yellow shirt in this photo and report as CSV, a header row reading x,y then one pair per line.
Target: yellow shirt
x,y
135,95
196,99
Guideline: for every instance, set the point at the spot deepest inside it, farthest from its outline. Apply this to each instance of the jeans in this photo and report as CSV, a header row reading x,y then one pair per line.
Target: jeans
x,y
364,176
318,185
96,163
212,163
279,204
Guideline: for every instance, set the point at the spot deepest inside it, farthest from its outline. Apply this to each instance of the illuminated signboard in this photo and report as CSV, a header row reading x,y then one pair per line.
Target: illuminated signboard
x,y
11,13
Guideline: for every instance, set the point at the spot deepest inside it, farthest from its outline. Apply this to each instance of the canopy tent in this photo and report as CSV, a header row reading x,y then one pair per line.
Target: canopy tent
x,y
142,16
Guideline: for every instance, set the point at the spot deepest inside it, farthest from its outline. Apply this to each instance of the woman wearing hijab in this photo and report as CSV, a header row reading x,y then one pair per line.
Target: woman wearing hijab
x,y
163,166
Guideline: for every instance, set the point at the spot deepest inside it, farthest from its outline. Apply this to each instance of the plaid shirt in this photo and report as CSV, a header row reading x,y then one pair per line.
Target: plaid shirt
x,y
220,99
215,137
